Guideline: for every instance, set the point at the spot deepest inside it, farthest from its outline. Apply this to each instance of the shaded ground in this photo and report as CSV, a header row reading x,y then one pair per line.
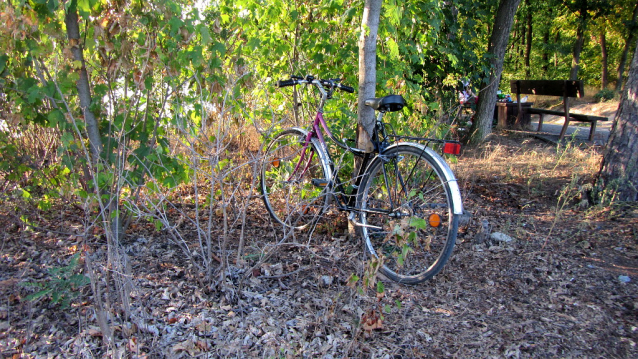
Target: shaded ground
x,y
564,287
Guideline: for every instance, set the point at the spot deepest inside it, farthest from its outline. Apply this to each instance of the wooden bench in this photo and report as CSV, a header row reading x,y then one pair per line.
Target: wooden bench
x,y
564,89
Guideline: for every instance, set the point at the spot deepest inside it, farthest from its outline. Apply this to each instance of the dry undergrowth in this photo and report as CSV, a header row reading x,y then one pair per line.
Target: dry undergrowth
x,y
558,293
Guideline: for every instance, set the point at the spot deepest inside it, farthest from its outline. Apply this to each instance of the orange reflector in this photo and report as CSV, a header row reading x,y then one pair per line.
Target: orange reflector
x,y
452,148
275,163
435,220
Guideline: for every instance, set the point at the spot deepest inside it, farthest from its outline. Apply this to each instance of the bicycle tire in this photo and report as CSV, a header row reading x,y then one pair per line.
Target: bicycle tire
x,y
289,193
403,192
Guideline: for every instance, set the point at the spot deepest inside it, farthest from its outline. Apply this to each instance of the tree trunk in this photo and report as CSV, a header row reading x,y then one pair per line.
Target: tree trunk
x,y
367,72
630,40
603,53
618,177
546,37
528,48
497,46
84,89
546,54
578,48
556,42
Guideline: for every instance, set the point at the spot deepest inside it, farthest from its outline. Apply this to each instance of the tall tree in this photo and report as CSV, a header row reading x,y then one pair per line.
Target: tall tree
x,y
367,72
632,27
581,8
619,170
84,89
604,59
496,52
585,10
528,47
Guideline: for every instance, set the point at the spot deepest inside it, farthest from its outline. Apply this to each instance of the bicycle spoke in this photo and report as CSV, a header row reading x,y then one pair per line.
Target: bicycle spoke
x,y
405,196
290,194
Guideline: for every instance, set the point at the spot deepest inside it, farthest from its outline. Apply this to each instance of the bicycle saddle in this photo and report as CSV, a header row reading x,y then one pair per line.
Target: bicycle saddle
x,y
388,103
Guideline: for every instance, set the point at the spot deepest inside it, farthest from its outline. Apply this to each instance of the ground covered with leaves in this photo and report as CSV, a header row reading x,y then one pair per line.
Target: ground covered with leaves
x,y
565,285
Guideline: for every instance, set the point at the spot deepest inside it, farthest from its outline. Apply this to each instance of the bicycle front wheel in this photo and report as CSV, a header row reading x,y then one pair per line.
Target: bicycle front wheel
x,y
409,205
294,178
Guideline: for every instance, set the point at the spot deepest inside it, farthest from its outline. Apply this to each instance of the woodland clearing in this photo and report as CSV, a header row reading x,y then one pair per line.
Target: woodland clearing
x,y
564,286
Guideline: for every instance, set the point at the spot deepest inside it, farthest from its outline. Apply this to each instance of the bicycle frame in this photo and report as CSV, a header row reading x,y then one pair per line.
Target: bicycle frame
x,y
319,123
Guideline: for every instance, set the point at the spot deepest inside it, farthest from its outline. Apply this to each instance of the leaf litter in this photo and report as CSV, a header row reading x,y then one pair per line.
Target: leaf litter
x,y
533,296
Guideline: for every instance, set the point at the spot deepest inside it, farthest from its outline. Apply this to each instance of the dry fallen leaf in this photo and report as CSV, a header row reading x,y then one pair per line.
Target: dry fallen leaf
x,y
186,346
371,320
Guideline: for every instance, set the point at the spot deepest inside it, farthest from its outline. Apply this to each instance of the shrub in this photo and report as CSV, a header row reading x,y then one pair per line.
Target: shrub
x,y
604,95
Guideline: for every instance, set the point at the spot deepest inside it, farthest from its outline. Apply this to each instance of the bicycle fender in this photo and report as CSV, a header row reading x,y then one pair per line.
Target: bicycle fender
x,y
450,179
323,157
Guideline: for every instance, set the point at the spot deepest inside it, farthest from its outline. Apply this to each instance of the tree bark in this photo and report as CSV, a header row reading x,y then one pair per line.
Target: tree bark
x,y
528,48
496,49
84,89
625,54
546,39
546,54
618,177
367,72
578,48
603,54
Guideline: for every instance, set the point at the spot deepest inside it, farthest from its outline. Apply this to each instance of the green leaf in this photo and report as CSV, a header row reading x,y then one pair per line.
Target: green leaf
x,y
38,295
3,63
25,194
394,49
52,5
56,118
84,8
205,34
148,82
253,43
418,223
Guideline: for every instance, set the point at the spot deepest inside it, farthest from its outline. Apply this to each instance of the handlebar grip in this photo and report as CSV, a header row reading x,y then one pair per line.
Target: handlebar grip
x,y
284,83
346,88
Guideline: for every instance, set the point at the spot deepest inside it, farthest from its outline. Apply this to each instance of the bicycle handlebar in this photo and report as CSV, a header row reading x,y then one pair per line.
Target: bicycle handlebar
x,y
297,80
284,83
345,88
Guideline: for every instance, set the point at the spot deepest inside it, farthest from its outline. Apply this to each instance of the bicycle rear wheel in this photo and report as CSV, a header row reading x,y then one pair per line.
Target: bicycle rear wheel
x,y
409,205
293,179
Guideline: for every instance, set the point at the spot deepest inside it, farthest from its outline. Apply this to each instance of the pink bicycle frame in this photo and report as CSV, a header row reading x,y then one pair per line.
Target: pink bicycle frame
x,y
315,132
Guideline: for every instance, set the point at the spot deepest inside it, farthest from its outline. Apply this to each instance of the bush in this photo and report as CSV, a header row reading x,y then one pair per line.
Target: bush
x,y
604,95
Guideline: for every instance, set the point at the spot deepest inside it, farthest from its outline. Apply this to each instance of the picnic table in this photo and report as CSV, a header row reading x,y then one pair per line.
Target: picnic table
x,y
506,114
563,88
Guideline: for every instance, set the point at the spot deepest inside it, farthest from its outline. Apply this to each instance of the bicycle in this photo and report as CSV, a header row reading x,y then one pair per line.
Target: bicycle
x,y
405,201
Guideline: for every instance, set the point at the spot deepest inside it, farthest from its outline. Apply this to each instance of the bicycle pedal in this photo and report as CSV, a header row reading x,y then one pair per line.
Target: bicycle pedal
x,y
321,183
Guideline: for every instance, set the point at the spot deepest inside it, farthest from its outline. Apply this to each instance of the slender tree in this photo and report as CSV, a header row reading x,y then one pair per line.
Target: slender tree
x,y
367,72
84,89
586,10
604,59
528,41
580,38
496,51
633,28
618,175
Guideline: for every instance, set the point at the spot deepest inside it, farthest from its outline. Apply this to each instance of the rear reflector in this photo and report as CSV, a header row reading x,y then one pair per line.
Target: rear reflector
x,y
452,148
435,220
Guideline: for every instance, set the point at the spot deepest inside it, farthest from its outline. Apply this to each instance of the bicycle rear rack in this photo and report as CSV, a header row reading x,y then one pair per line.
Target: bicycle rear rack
x,y
451,147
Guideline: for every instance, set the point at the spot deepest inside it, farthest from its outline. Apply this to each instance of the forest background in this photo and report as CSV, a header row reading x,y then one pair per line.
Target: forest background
x,y
178,97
